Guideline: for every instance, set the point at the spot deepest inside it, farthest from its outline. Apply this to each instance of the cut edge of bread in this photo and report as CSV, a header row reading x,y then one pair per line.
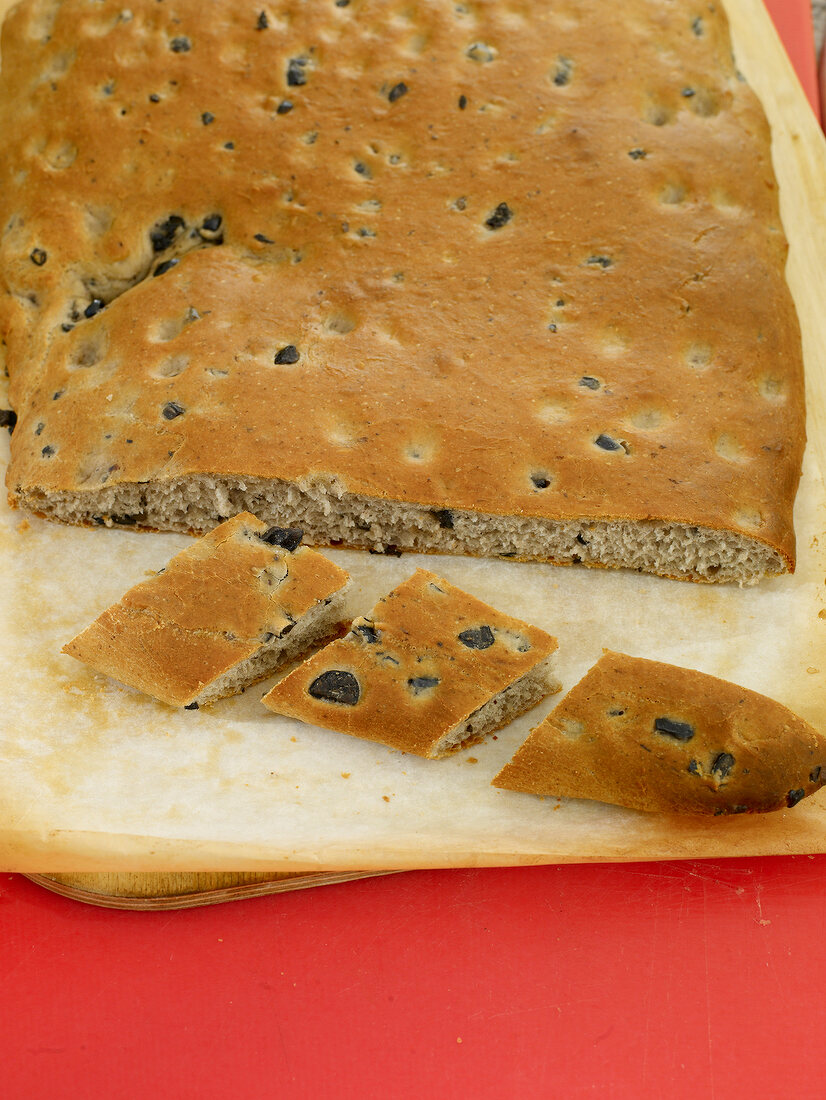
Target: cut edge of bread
x,y
502,708
329,515
317,625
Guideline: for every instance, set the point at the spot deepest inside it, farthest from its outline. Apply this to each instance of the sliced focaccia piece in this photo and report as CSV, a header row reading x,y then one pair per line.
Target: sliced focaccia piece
x,y
429,671
652,736
224,613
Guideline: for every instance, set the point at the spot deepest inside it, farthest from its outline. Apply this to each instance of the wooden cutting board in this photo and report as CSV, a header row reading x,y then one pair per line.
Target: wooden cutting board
x,y
176,890
800,157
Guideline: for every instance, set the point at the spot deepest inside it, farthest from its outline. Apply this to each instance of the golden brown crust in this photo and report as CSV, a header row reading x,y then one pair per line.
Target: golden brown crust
x,y
652,736
565,229
425,659
212,607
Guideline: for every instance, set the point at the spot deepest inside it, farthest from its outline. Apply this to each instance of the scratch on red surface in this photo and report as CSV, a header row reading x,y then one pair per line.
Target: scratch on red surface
x,y
758,890
708,994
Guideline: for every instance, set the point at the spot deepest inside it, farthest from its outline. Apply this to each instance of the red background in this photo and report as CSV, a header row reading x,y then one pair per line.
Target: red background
x,y
662,980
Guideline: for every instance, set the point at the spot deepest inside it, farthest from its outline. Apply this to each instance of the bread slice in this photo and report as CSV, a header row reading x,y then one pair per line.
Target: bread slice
x,y
224,613
431,670
652,736
495,279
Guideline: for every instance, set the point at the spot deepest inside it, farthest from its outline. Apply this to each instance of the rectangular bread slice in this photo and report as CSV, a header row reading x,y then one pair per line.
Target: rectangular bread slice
x,y
500,279
652,736
431,670
226,612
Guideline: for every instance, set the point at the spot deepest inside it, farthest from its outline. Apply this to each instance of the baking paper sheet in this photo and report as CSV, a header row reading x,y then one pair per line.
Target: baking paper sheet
x,y
95,776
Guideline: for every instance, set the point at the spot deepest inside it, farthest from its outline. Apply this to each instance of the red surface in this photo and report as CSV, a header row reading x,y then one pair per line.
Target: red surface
x,y
665,980
793,19
671,980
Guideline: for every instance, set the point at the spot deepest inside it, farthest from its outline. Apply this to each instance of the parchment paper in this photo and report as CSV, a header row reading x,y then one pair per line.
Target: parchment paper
x,y
94,776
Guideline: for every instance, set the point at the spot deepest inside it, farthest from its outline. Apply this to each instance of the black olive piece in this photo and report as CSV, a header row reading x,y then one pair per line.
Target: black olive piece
x,y
94,307
680,731
67,327
162,234
288,538
477,637
287,354
615,713
125,520
264,240
207,117
284,107
8,418
637,154
500,216
444,517
539,481
693,767
342,3
687,93
814,775
39,428
397,91
418,684
162,269
336,686
600,261
697,26
462,102
576,559
47,451
552,327
295,72
793,797
589,382
564,68
362,169
38,256
57,393
368,631
212,223
722,764
607,443
154,98
180,44
263,22
390,551
192,706
285,630
229,144
172,409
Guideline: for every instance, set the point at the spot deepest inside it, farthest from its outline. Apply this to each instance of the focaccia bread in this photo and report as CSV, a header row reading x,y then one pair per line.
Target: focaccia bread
x,y
431,670
226,612
493,278
653,736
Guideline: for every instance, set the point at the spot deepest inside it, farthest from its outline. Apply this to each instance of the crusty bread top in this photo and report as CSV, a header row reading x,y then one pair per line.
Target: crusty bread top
x,y
514,258
421,663
214,604
653,736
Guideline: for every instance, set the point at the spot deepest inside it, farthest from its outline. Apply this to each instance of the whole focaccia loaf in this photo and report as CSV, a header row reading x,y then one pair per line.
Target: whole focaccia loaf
x,y
653,736
499,278
225,612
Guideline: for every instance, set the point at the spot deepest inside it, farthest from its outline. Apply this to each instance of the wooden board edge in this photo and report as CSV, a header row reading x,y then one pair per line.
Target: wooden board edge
x,y
93,889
